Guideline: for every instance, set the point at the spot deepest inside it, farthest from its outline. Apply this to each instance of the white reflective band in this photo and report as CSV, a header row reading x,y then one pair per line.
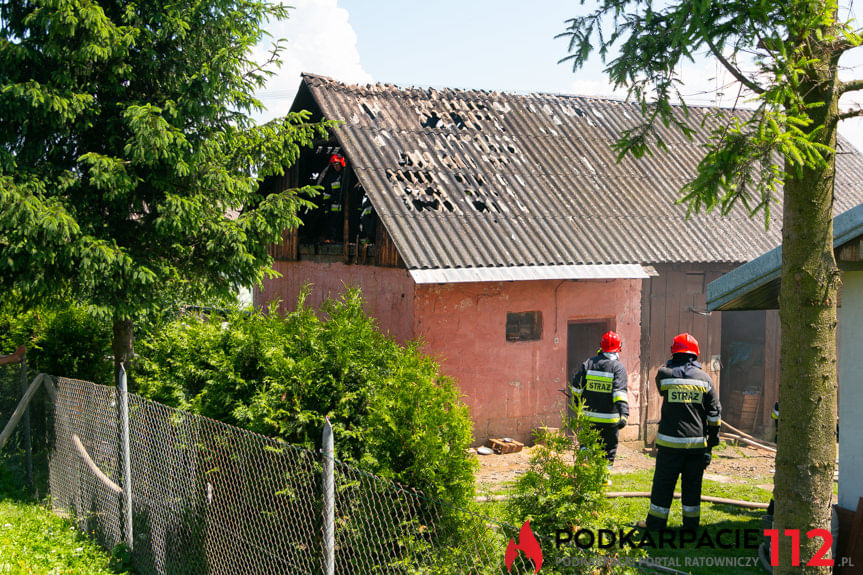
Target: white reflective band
x,y
657,510
597,415
620,396
692,510
713,419
335,185
775,414
679,440
681,381
576,390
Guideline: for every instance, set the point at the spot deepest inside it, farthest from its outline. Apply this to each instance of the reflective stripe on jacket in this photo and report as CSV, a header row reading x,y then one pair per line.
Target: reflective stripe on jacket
x,y
690,405
601,384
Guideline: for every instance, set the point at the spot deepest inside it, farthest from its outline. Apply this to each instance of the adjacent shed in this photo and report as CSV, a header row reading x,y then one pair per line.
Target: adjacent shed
x,y
755,286
509,237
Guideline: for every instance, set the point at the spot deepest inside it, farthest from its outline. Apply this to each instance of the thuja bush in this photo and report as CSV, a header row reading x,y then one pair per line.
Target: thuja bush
x,y
563,485
563,489
69,342
393,413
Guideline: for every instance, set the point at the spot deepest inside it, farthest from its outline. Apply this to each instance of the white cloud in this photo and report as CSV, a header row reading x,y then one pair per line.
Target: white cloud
x,y
320,40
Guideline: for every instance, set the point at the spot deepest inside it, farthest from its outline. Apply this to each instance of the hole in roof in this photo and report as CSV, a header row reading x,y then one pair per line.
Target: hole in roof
x,y
431,120
480,206
579,112
458,120
368,111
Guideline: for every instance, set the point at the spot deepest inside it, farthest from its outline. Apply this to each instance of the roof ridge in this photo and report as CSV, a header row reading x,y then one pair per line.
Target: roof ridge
x,y
507,93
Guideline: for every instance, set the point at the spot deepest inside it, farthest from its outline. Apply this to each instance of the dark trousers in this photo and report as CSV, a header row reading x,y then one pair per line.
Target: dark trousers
x,y
608,437
671,463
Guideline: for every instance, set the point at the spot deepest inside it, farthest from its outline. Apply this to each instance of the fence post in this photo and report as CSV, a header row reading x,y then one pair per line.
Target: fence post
x,y
329,500
28,445
127,460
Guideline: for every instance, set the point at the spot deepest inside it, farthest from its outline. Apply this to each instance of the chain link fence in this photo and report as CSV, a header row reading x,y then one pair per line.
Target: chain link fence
x,y
211,498
25,451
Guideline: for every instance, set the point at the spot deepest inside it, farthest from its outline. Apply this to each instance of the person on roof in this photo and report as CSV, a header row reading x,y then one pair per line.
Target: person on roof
x,y
688,430
601,384
332,197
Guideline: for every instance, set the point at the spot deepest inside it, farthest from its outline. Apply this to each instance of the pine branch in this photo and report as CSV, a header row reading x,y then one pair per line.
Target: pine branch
x,y
738,75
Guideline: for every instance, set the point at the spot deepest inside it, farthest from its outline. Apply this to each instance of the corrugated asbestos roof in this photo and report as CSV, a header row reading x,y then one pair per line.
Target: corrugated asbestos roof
x,y
476,179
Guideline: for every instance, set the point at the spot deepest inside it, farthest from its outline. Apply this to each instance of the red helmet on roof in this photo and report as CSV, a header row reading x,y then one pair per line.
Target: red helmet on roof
x,y
337,159
684,343
610,342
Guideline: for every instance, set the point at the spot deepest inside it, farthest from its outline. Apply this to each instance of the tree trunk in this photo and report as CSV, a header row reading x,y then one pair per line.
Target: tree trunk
x,y
806,455
123,345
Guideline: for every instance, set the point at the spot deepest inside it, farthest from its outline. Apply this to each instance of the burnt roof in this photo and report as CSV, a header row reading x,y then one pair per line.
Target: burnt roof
x,y
474,179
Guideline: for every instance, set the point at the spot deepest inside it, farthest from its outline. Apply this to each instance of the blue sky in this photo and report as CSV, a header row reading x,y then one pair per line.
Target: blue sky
x,y
471,44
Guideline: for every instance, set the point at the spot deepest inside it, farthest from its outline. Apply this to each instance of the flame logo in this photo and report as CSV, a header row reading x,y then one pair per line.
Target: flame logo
x,y
528,544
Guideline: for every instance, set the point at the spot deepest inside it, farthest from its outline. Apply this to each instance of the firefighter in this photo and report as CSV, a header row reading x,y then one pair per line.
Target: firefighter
x,y
332,197
368,221
688,430
601,384
775,416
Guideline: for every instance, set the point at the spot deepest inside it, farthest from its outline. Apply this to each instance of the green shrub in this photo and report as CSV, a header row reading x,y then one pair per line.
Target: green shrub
x,y
563,488
69,342
564,483
393,413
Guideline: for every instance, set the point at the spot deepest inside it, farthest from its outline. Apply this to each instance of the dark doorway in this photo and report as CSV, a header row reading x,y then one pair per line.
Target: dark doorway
x,y
582,342
743,370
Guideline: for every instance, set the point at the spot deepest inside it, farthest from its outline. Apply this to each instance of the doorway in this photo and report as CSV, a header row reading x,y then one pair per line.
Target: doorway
x,y
582,342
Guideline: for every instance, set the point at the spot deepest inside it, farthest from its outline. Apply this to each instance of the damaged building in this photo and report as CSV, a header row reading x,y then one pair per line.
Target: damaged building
x,y
508,238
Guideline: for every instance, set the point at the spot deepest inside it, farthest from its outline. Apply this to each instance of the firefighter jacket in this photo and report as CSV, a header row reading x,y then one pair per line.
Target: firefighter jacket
x,y
690,405
601,385
331,180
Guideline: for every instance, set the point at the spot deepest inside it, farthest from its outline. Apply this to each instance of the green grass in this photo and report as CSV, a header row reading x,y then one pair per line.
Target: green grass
x,y
714,517
33,540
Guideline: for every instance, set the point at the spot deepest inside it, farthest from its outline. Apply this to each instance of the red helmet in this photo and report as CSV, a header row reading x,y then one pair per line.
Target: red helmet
x,y
684,343
610,342
337,159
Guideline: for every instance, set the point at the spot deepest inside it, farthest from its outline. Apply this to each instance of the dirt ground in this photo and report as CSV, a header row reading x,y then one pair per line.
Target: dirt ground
x,y
731,463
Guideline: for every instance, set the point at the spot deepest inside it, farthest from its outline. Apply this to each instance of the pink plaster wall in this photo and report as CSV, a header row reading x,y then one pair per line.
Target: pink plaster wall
x,y
512,387
389,292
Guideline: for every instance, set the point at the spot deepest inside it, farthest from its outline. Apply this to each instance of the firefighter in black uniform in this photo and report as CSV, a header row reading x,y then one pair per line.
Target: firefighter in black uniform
x,y
333,198
601,384
688,430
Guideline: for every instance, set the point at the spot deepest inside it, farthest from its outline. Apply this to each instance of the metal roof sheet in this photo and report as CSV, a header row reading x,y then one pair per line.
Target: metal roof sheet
x,y
528,273
477,179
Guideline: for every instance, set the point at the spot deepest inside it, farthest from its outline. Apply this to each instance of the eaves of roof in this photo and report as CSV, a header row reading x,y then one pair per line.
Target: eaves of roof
x,y
755,285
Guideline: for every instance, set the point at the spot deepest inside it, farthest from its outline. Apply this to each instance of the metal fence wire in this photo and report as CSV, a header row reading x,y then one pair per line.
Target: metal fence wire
x,y
211,498
27,438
